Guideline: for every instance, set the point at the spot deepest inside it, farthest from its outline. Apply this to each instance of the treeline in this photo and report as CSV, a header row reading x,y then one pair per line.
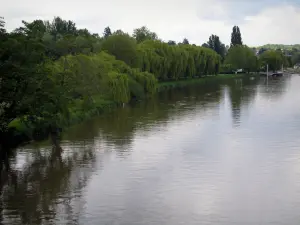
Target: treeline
x,y
53,72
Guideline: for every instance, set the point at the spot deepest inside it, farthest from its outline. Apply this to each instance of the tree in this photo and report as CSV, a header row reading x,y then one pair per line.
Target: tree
x,y
2,26
170,42
273,58
107,32
261,50
119,32
185,41
241,57
295,59
236,38
215,44
123,47
143,33
205,45
60,27
22,73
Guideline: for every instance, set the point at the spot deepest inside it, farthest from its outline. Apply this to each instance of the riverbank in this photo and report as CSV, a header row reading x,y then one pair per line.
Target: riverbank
x,y
195,81
20,132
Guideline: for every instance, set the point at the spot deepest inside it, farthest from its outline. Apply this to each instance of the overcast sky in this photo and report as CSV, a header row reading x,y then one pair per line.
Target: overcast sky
x,y
260,21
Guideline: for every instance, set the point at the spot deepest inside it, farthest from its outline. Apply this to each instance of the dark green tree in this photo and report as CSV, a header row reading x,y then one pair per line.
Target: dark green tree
x,y
215,44
185,41
236,37
170,42
107,32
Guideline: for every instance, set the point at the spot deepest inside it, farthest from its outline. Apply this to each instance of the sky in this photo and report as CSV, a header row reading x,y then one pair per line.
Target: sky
x,y
260,21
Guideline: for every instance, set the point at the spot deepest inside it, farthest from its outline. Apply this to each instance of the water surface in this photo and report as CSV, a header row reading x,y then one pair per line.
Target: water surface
x,y
227,153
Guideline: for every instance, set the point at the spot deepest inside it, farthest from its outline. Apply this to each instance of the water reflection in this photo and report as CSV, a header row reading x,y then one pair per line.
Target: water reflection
x,y
172,159
50,181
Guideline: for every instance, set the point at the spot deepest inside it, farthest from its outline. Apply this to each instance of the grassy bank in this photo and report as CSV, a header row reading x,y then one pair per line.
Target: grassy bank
x,y
79,111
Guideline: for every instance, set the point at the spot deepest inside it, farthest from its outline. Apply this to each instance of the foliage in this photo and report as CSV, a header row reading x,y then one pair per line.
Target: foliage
x,y
123,47
215,44
280,46
179,61
295,59
185,41
107,32
236,37
143,34
52,72
241,57
2,26
273,58
170,42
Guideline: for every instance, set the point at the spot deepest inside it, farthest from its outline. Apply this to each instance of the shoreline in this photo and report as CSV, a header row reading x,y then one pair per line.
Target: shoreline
x,y
20,134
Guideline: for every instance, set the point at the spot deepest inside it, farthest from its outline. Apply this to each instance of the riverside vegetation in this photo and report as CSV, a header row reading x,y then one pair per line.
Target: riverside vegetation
x,y
54,74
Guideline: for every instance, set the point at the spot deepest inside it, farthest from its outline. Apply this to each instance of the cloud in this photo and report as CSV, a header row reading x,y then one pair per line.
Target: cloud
x,y
268,21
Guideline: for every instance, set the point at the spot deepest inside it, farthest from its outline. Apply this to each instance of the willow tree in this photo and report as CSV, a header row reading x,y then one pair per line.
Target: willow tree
x,y
123,47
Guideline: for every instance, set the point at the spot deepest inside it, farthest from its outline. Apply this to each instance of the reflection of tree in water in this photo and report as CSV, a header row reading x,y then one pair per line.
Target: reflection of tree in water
x,y
120,126
43,189
241,93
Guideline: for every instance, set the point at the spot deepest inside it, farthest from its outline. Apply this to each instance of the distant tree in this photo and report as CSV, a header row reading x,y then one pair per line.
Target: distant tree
x,y
60,27
119,32
261,50
236,37
241,57
170,42
185,41
83,32
215,44
2,27
143,33
273,58
205,45
107,32
295,59
123,47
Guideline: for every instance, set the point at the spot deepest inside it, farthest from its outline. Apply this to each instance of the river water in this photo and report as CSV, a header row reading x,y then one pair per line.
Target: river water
x,y
224,153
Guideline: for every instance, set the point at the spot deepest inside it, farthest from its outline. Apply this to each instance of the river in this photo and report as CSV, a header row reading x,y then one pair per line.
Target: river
x,y
224,153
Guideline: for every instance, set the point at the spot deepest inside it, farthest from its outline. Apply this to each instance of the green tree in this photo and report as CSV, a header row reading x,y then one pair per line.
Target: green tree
x,y
185,41
236,37
170,42
119,32
143,33
123,47
273,58
241,57
22,74
295,59
107,32
215,44
205,45
2,24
